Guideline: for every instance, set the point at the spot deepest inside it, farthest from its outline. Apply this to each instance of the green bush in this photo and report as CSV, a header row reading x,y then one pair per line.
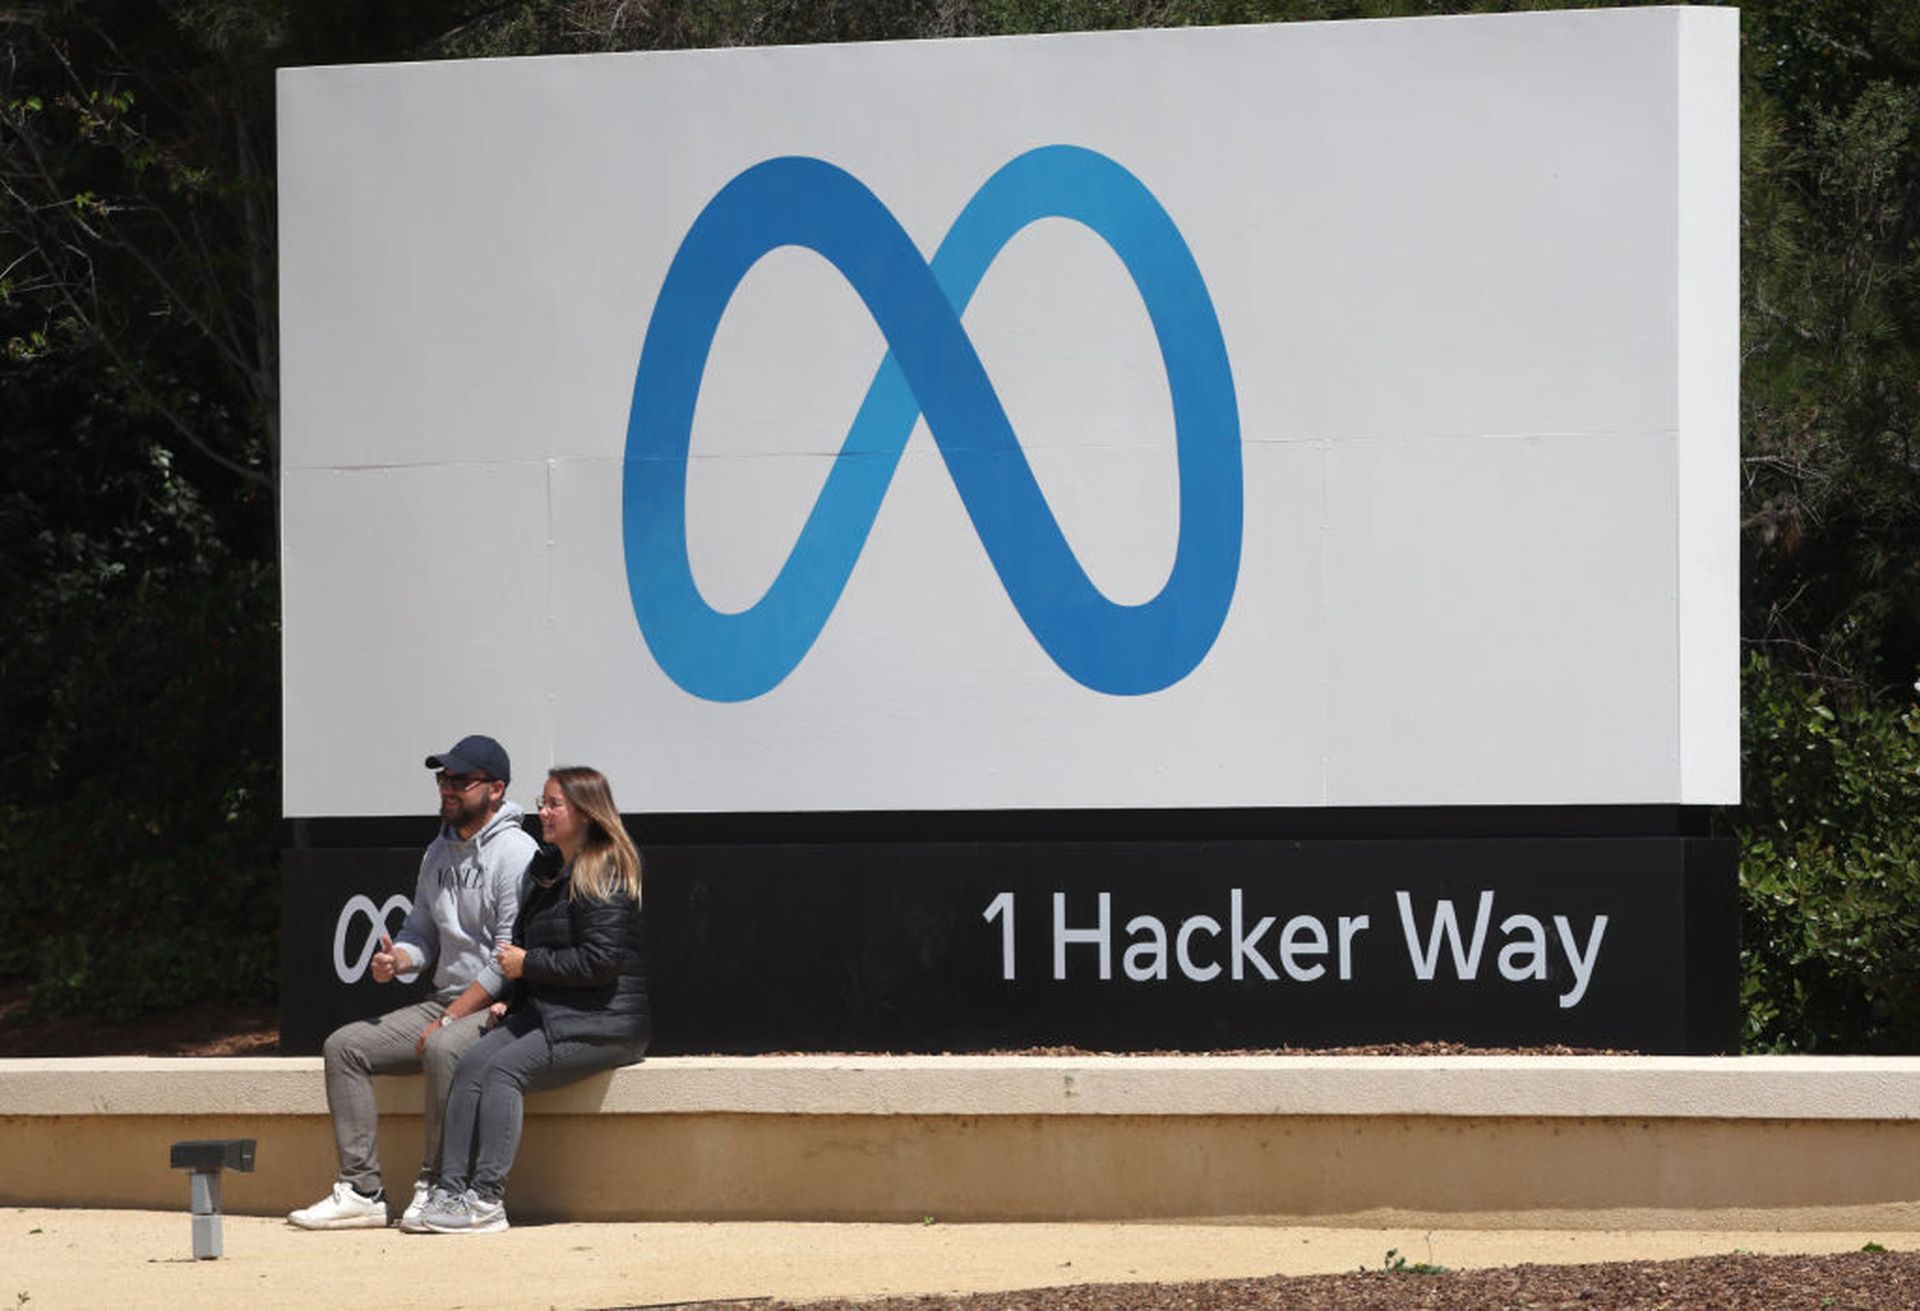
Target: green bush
x,y
1829,867
141,850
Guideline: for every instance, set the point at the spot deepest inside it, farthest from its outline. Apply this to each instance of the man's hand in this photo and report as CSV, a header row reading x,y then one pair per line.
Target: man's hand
x,y
385,964
495,1013
511,959
420,1043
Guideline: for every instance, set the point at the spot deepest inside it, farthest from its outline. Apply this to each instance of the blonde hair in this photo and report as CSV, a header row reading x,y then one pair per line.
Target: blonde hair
x,y
608,861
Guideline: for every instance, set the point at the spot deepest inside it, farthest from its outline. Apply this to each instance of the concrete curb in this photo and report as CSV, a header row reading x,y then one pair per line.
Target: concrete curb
x,y
1584,1087
1788,1143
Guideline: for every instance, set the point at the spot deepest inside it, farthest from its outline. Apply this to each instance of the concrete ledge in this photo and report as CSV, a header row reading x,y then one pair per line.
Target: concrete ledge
x,y
1462,1142
1580,1087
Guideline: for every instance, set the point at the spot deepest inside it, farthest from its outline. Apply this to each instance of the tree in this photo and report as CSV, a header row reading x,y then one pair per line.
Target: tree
x,y
1831,192
136,528
1830,400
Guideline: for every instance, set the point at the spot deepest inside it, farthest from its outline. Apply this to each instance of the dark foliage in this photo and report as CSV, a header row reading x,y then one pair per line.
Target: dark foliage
x,y
138,380
1830,861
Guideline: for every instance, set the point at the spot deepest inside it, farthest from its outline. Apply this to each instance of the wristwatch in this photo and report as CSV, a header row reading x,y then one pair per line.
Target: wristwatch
x,y
446,1019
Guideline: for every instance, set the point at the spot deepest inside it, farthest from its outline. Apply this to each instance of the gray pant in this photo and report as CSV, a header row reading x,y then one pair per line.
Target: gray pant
x,y
384,1045
484,1108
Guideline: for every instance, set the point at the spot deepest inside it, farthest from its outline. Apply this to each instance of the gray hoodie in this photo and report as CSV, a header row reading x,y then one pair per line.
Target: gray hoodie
x,y
464,904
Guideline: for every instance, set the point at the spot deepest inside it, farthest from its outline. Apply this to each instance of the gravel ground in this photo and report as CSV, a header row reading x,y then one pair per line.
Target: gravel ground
x,y
1853,1281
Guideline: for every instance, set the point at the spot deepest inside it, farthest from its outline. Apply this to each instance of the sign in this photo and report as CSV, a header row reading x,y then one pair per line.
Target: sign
x,y
1190,538
1293,416
1592,941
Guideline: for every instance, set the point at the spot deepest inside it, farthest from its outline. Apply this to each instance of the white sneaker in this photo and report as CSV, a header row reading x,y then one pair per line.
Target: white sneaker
x,y
439,1204
410,1222
343,1208
468,1213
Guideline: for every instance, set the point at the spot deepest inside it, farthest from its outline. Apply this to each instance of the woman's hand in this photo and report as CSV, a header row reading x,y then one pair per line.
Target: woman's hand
x,y
511,959
495,1013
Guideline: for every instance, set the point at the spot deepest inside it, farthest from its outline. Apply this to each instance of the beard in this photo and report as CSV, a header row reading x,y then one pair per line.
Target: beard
x,y
468,809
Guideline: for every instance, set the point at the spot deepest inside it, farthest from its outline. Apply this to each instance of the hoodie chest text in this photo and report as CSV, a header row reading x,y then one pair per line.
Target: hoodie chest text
x,y
453,878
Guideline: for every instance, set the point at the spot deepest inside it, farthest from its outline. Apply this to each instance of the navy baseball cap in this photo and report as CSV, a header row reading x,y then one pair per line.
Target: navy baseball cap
x,y
475,755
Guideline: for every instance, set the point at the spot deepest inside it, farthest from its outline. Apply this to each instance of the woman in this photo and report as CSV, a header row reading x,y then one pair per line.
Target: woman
x,y
579,1003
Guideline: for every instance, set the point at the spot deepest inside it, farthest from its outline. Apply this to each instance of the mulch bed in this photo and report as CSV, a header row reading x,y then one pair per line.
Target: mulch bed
x,y
1852,1281
215,1029
253,1029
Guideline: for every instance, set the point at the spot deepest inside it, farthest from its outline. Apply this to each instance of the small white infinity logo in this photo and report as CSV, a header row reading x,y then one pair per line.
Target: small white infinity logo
x,y
377,923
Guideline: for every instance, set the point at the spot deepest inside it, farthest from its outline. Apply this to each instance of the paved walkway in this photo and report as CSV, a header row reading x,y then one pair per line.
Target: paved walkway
x,y
56,1259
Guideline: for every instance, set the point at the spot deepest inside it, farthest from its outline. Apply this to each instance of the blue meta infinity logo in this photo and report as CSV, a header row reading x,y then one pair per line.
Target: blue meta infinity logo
x,y
931,368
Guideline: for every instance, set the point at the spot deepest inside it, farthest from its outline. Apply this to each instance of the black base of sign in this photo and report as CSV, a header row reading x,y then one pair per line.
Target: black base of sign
x,y
334,903
1601,940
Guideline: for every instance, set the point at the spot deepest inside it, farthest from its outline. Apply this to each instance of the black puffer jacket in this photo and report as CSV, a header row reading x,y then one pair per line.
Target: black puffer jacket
x,y
585,972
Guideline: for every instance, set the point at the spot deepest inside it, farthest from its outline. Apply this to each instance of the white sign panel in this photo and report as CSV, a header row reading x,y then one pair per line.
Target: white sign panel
x,y
1334,414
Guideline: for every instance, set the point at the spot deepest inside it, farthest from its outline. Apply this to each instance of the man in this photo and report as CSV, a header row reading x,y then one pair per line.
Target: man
x,y
463,909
